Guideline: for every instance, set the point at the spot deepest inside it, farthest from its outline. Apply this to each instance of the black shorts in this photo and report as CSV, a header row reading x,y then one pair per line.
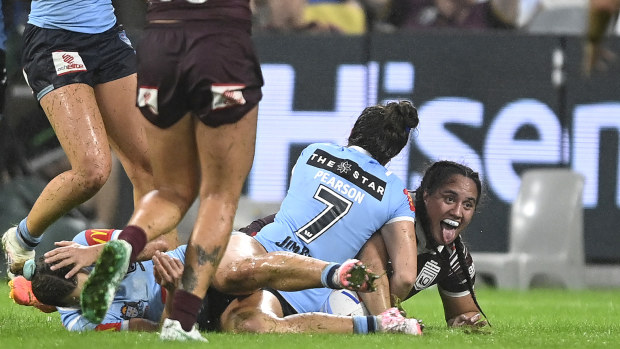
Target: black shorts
x,y
53,58
208,68
215,303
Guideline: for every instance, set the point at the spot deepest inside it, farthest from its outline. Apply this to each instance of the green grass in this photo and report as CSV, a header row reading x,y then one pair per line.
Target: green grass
x,y
539,318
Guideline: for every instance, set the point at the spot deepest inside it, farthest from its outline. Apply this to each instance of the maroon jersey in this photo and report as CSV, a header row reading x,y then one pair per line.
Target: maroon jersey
x,y
441,266
199,10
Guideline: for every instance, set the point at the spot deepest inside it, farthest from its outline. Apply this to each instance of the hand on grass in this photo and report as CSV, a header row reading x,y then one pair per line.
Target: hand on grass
x,y
467,320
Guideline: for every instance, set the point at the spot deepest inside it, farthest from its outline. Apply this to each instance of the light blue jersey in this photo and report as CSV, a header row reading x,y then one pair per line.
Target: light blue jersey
x,y
338,197
82,16
138,296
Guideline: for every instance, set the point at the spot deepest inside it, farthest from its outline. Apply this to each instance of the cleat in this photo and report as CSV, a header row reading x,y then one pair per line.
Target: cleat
x,y
21,293
392,321
171,330
100,287
14,253
354,276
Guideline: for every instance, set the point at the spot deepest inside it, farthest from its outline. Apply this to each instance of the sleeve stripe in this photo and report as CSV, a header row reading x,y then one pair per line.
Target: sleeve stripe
x,y
401,218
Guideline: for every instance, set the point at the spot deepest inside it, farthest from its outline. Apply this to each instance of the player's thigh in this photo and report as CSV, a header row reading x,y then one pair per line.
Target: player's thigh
x,y
73,114
174,158
254,313
126,128
240,247
226,154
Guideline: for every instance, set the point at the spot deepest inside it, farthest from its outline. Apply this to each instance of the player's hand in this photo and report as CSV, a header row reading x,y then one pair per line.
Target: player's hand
x,y
71,253
167,270
467,320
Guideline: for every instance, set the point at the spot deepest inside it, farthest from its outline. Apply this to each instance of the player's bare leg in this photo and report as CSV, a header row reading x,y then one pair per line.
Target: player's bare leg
x,y
176,176
73,114
126,128
247,267
226,154
261,312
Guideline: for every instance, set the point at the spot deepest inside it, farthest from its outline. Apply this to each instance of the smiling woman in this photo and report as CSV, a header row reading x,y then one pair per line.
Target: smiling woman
x,y
445,204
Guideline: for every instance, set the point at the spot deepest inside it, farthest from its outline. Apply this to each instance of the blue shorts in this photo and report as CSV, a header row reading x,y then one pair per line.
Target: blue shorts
x,y
53,58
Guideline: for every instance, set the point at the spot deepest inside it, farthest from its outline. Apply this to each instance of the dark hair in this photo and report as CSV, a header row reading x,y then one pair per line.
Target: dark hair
x,y
50,286
383,131
437,175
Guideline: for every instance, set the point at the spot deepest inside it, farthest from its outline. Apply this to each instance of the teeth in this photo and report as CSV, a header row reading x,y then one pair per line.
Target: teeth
x,y
451,222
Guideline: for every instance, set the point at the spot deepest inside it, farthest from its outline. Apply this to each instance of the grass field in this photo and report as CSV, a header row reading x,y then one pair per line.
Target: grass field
x,y
535,319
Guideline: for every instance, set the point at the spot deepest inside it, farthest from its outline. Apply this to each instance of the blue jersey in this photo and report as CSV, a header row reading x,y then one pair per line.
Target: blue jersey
x,y
138,296
82,16
2,31
338,197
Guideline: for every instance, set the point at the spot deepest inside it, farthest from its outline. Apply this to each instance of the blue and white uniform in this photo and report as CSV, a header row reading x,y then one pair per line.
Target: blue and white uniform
x,y
74,42
138,296
338,197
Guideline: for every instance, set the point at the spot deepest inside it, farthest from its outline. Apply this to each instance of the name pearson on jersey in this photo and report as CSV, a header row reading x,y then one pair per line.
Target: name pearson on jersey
x,y
348,170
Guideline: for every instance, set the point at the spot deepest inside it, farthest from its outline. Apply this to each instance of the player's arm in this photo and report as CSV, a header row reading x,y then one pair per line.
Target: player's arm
x,y
168,272
400,242
144,325
374,255
461,311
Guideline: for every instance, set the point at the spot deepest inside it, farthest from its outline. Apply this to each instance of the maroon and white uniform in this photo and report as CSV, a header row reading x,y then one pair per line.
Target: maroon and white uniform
x,y
441,266
198,57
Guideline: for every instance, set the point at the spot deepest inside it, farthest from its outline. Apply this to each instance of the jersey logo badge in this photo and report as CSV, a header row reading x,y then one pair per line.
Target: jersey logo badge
x,y
427,275
67,62
132,310
344,167
227,95
147,98
410,199
98,236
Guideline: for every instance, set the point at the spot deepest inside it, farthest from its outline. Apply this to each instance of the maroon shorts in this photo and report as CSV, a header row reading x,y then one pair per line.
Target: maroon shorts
x,y
208,68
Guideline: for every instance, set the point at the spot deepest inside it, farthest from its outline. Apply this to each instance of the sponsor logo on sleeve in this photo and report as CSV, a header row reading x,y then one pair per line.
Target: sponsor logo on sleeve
x,y
410,199
98,236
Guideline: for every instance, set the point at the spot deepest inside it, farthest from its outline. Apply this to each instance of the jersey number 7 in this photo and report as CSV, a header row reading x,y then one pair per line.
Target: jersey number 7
x,y
337,207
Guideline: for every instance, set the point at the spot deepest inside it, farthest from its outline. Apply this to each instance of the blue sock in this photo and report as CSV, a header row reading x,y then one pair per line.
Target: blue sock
x,y
24,238
364,324
327,275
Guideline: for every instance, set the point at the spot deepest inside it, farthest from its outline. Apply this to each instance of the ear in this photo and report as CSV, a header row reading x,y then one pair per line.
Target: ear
x,y
425,196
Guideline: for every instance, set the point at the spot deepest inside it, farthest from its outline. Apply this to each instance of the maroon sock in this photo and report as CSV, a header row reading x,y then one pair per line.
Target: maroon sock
x,y
136,237
185,308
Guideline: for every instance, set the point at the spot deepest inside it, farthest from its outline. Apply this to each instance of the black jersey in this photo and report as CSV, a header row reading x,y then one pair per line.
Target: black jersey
x,y
441,266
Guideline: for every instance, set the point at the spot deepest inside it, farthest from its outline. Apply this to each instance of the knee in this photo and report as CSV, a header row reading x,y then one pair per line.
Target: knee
x,y
234,277
248,321
94,175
